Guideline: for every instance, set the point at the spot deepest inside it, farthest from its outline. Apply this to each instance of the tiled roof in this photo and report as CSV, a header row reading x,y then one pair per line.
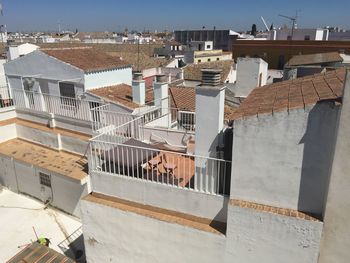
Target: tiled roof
x,y
121,94
85,58
193,71
182,98
291,94
141,61
312,59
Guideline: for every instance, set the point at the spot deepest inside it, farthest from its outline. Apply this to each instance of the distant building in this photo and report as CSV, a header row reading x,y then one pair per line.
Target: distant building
x,y
277,53
299,34
222,39
202,51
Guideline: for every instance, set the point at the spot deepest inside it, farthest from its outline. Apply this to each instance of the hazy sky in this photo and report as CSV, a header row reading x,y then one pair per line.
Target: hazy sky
x,y
99,15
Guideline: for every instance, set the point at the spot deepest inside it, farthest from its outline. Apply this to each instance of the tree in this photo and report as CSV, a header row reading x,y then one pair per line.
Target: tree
x,y
254,30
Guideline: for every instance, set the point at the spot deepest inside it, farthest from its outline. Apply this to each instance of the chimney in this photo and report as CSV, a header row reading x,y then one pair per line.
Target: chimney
x,y
138,89
12,53
210,102
161,91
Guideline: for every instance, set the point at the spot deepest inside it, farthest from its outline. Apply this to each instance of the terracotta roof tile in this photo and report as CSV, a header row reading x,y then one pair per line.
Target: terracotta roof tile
x,y
293,94
274,210
193,71
121,94
86,59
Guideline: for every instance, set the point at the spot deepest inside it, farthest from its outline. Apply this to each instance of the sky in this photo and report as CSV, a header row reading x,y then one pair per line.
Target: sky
x,y
109,15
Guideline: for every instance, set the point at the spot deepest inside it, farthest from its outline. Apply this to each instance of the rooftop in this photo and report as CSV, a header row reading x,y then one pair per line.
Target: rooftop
x,y
182,98
312,59
121,94
86,58
141,61
68,164
20,213
193,71
292,94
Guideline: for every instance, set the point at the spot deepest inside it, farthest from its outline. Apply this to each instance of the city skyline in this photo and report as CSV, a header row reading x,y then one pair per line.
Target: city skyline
x,y
110,15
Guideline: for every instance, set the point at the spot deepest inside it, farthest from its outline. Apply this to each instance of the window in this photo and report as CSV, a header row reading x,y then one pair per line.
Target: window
x,y
199,61
67,90
45,179
209,59
208,46
307,37
218,59
67,93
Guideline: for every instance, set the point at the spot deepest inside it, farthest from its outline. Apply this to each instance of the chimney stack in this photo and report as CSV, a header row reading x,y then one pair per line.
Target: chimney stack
x,y
12,53
210,102
161,91
138,89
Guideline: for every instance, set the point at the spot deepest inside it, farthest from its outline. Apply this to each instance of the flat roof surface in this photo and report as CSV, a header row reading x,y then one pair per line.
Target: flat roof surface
x,y
19,214
68,164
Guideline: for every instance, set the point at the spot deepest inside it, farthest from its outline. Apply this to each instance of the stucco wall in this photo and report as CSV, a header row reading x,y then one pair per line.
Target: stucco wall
x,y
108,78
336,235
120,236
65,192
248,74
284,159
260,237
8,132
155,194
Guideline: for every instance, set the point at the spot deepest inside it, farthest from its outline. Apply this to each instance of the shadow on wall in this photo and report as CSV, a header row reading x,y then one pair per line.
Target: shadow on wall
x,y
319,143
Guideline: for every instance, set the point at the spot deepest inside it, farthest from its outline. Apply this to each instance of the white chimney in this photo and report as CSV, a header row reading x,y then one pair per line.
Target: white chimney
x,y
138,89
160,87
12,53
210,103
251,73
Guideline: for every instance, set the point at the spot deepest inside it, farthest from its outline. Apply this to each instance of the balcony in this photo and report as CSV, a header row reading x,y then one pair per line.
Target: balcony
x,y
122,151
62,106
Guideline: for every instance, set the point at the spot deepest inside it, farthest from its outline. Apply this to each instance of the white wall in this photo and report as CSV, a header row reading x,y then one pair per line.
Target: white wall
x,y
248,75
121,236
336,236
23,177
158,195
108,78
284,159
260,237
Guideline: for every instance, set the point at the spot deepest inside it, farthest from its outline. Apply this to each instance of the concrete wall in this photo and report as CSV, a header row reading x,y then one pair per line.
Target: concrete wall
x,y
108,78
163,196
120,236
248,75
259,237
336,235
65,193
284,159
8,132
298,34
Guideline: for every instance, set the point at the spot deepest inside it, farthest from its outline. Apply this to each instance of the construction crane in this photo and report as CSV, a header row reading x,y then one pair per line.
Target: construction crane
x,y
293,20
265,24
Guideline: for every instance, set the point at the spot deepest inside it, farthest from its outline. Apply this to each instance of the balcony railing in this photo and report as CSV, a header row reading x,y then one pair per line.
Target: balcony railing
x,y
62,106
121,151
134,159
5,97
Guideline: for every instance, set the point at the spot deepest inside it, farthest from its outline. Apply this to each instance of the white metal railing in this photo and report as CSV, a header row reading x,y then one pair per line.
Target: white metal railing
x,y
5,97
132,129
104,118
129,159
186,120
63,106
